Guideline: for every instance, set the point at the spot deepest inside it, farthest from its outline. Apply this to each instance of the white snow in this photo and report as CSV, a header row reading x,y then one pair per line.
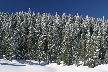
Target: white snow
x,y
16,66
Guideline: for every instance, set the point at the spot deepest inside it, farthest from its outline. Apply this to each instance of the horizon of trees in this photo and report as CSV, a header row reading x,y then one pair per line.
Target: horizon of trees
x,y
46,37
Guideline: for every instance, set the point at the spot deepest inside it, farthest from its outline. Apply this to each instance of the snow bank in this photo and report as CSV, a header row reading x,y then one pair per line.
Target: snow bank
x,y
28,68
15,66
73,68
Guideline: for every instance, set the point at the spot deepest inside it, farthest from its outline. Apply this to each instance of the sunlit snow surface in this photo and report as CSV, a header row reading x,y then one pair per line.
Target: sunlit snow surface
x,y
16,66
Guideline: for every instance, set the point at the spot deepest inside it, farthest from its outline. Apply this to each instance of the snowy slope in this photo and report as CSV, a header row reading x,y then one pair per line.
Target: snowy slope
x,y
15,66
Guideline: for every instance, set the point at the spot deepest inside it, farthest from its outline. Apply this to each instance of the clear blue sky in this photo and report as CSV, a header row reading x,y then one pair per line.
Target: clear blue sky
x,y
95,8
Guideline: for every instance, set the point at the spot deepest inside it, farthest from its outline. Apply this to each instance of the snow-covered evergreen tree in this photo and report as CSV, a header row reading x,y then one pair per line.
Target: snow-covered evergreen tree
x,y
46,37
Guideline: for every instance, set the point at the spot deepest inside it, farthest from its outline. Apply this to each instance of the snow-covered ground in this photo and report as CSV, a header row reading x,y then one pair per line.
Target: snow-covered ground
x,y
23,66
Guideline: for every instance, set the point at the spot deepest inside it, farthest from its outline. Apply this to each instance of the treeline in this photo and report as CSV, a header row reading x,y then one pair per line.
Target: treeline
x,y
46,37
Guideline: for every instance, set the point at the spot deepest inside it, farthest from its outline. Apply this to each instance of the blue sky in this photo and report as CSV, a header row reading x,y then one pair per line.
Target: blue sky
x,y
95,8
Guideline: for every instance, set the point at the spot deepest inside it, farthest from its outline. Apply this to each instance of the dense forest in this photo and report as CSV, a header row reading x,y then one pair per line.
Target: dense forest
x,y
46,37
